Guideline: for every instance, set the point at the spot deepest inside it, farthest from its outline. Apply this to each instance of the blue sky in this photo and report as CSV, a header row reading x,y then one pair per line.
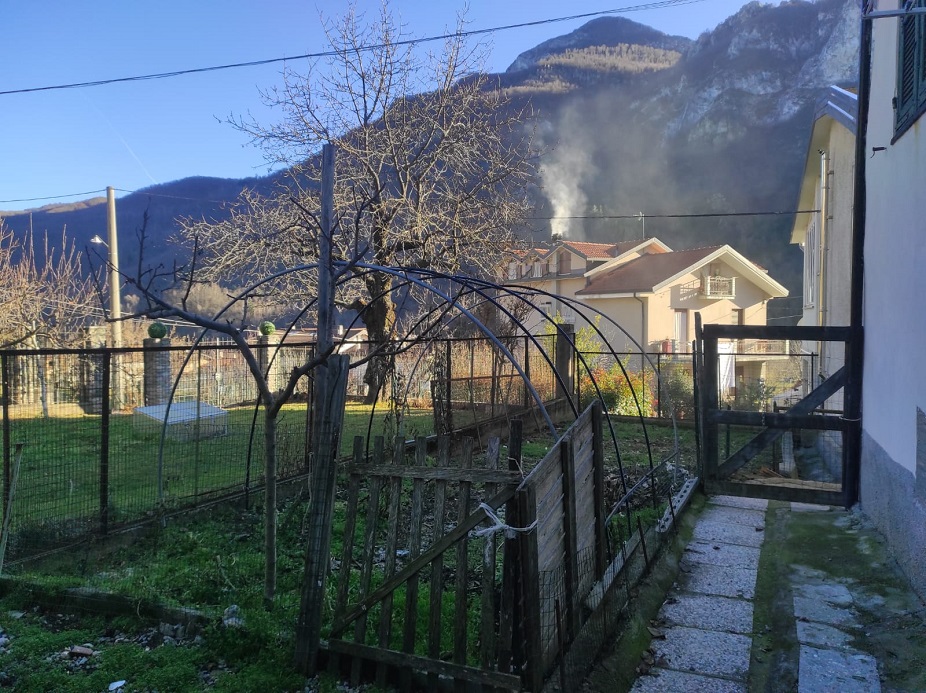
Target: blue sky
x,y
56,143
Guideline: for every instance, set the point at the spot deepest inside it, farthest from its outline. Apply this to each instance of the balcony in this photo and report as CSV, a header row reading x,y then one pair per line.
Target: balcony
x,y
718,287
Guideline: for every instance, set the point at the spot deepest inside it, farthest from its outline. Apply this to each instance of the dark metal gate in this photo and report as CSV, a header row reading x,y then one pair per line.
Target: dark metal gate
x,y
796,446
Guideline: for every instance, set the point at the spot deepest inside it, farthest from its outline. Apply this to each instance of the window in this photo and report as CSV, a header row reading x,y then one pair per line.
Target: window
x,y
910,101
564,262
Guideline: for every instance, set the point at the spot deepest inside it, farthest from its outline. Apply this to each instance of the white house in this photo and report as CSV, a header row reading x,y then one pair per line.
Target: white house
x,y
893,455
825,236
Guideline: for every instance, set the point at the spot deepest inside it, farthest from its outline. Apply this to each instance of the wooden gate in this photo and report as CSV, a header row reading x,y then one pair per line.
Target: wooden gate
x,y
791,428
444,565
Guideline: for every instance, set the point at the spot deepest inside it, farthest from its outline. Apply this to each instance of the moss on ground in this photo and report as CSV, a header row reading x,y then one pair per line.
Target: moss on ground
x,y
844,549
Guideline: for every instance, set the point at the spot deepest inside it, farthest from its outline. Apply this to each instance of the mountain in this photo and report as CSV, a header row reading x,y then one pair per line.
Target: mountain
x,y
630,120
723,130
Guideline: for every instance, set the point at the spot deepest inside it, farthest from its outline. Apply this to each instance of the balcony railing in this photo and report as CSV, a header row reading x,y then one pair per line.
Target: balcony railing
x,y
718,287
776,347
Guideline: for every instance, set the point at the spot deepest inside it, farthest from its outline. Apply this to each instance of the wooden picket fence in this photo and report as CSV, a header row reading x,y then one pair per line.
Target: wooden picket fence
x,y
441,575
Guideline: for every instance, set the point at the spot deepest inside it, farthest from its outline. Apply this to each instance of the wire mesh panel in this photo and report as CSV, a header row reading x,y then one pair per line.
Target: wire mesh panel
x,y
85,451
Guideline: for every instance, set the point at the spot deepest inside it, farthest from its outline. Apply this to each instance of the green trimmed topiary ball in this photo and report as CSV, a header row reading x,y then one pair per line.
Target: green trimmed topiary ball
x,y
157,330
267,328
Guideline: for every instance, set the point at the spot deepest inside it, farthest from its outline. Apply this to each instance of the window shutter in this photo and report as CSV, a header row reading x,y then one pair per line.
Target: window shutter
x,y
907,78
920,56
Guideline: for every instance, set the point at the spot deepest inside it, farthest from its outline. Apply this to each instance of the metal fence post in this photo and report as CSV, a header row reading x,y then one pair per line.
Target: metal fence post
x,y
104,443
660,390
5,378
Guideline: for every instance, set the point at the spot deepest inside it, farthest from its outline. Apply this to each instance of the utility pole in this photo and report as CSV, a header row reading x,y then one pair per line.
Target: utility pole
x,y
330,393
115,296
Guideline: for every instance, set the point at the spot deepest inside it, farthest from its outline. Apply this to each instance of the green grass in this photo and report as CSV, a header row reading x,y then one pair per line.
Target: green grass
x,y
57,496
241,660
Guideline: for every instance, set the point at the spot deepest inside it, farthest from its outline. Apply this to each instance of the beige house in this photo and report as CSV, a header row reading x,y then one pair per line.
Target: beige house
x,y
825,236
652,293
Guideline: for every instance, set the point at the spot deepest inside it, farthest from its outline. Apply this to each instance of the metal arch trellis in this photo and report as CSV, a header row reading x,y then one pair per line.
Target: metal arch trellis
x,y
488,292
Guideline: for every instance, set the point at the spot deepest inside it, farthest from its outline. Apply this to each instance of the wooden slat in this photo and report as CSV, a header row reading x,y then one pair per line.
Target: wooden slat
x,y
780,420
393,501
601,539
509,617
550,491
350,525
550,464
783,493
487,606
462,560
434,551
810,333
435,666
550,556
414,549
437,566
476,476
530,579
570,535
369,547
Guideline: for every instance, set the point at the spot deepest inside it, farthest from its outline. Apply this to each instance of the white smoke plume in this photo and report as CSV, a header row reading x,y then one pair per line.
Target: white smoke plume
x,y
564,170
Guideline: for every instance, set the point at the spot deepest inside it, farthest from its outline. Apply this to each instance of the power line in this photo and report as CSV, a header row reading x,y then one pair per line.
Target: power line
x,y
52,197
326,54
681,216
142,191
700,215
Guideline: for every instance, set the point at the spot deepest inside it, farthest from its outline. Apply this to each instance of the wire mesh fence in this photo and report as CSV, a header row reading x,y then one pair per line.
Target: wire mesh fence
x,y
96,438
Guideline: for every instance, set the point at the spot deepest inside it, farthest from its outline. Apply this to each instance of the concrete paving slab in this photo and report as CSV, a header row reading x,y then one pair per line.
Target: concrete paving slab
x,y
743,535
709,613
704,652
831,593
739,516
737,502
809,508
738,583
732,555
822,635
668,681
808,609
834,671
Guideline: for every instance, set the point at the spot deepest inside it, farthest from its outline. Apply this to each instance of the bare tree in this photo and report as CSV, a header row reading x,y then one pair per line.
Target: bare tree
x,y
173,293
44,296
432,170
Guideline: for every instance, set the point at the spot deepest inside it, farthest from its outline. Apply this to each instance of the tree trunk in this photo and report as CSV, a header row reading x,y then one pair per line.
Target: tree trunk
x,y
270,507
379,318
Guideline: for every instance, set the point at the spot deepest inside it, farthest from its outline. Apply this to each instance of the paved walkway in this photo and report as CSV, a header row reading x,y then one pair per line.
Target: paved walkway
x,y
704,637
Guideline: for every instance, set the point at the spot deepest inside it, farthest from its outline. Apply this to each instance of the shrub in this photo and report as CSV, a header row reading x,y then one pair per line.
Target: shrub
x,y
620,394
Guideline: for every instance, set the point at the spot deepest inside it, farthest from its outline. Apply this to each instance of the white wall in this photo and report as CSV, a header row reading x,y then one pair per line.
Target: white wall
x,y
895,263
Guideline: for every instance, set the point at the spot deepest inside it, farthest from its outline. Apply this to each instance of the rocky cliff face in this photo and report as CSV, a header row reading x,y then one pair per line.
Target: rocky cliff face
x,y
721,131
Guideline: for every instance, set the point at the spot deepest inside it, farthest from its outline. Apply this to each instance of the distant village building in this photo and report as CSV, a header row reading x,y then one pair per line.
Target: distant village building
x,y
652,292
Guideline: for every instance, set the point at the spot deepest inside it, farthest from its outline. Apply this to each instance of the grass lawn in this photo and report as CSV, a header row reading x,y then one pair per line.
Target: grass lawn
x,y
58,491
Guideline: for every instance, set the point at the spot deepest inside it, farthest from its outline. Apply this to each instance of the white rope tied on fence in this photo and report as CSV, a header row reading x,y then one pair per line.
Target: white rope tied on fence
x,y
499,526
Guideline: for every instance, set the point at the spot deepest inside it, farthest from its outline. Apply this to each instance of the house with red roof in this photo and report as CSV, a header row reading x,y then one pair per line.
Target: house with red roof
x,y
651,291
